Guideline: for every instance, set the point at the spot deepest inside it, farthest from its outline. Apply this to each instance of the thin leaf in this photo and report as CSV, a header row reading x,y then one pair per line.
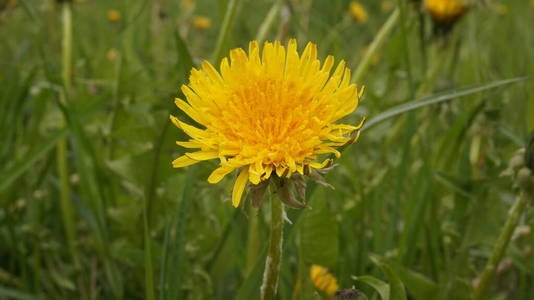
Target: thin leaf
x,y
30,159
179,241
6,293
439,98
229,16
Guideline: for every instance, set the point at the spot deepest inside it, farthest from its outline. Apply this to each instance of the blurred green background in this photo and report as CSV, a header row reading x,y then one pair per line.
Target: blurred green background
x,y
90,207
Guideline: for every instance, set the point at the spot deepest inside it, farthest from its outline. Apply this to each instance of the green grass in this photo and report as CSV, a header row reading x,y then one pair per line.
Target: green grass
x,y
418,202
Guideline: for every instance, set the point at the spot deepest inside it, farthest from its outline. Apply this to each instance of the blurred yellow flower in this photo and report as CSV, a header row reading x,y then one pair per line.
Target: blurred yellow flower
x,y
358,12
386,5
445,10
501,9
532,3
113,15
323,280
112,54
268,111
201,22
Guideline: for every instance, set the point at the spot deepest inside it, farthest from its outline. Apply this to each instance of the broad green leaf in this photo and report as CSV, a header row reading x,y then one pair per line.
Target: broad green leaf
x,y
397,287
380,286
319,234
250,289
418,285
397,291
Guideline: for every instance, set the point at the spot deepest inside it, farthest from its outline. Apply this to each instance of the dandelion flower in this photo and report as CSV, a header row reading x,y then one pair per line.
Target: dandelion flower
x,y
358,12
201,22
113,15
323,280
445,11
267,112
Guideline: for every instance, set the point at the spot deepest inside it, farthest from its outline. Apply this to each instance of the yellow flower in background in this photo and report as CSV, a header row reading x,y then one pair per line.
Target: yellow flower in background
x,y
201,22
358,12
386,5
501,9
445,10
532,3
113,15
112,54
323,280
271,111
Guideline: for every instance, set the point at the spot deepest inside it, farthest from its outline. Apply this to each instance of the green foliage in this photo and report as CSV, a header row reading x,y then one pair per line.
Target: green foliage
x,y
418,202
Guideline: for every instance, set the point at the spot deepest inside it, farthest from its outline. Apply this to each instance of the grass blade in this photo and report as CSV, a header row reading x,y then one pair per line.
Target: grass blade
x,y
228,20
30,159
439,98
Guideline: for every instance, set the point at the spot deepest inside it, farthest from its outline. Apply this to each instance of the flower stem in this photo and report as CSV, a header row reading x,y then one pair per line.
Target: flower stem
x,y
380,38
62,149
500,246
272,263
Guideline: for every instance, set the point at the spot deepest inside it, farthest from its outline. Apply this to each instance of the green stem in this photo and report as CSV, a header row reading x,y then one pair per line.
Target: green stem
x,y
406,52
253,240
272,263
229,16
62,150
149,270
268,21
375,45
500,246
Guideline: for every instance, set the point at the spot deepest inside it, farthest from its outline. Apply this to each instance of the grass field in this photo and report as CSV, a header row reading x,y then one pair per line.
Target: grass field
x,y
91,208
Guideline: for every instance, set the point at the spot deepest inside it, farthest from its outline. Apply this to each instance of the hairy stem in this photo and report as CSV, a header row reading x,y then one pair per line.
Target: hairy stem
x,y
272,263
500,246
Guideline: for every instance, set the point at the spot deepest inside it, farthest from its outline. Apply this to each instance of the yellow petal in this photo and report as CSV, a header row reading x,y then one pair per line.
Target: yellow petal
x,y
268,171
317,165
219,173
183,161
186,108
280,170
189,144
188,129
239,186
254,174
212,73
203,155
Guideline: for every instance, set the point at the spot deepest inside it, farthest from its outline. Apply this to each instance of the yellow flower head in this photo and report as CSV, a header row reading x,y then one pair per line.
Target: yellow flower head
x,y
201,22
445,10
358,12
113,15
265,112
501,9
323,280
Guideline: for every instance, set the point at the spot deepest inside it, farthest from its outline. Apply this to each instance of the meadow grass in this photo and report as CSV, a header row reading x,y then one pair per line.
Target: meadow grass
x,y
91,208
